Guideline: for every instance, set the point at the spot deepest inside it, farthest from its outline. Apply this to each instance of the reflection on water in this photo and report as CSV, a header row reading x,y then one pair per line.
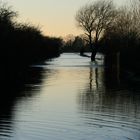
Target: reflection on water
x,y
13,88
113,106
70,98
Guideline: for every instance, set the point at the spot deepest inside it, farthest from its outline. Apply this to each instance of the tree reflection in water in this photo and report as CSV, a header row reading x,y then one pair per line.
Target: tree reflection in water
x,y
15,86
106,97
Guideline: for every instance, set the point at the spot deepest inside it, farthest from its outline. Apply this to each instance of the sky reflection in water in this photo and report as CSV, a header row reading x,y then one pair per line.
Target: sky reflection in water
x,y
71,98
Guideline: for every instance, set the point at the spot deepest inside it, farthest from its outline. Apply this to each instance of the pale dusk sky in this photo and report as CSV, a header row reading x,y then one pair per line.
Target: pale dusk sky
x,y
55,17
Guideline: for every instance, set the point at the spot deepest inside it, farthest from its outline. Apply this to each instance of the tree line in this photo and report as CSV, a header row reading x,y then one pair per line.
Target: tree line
x,y
112,29
22,44
76,44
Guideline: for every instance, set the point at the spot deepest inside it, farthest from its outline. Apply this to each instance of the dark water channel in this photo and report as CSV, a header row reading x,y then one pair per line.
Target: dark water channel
x,y
70,98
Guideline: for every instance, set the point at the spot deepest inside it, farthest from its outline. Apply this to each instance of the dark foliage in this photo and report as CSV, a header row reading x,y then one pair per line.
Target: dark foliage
x,y
23,44
76,44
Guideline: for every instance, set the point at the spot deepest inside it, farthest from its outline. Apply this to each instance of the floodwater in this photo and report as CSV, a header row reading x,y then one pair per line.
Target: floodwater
x,y
70,98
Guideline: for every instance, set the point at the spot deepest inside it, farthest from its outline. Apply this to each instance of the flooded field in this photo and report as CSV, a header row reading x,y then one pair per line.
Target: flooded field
x,y
70,98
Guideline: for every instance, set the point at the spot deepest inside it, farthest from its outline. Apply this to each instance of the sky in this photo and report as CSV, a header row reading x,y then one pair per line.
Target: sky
x,y
55,17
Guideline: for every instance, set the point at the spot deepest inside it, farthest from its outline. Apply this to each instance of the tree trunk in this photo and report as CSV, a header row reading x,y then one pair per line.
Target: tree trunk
x,y
93,49
94,52
90,41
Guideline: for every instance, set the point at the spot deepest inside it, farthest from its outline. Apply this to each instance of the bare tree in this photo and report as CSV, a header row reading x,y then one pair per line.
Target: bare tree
x,y
85,18
125,30
94,19
135,10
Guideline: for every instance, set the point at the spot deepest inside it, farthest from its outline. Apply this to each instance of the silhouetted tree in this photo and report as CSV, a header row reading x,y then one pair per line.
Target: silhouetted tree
x,y
75,44
123,35
94,19
22,44
79,44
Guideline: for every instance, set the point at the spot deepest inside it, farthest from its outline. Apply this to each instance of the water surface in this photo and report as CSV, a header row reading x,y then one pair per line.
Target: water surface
x,y
71,98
